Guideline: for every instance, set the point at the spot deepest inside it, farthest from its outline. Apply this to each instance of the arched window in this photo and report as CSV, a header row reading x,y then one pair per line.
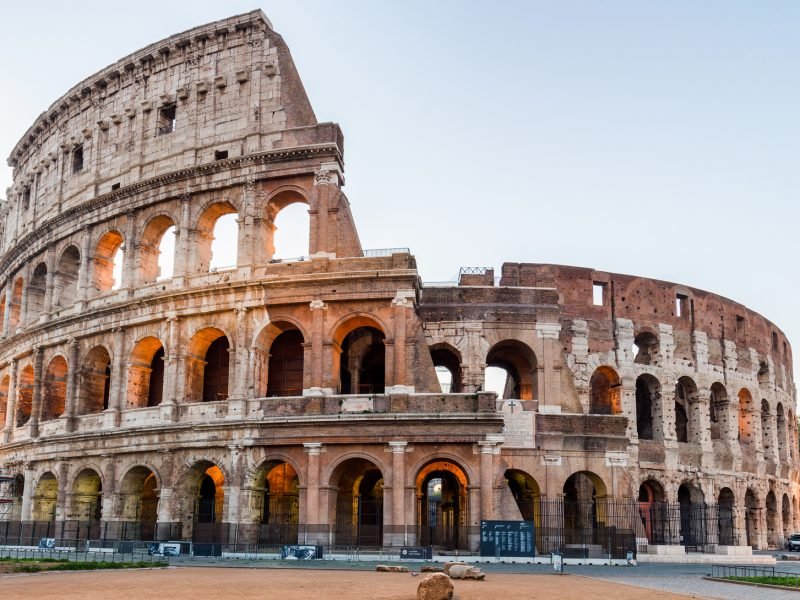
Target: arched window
x,y
285,376
648,408
54,393
65,283
24,396
146,373
290,229
604,392
686,411
16,305
718,411
208,366
447,362
519,363
157,250
36,292
362,364
107,263
645,348
95,381
217,238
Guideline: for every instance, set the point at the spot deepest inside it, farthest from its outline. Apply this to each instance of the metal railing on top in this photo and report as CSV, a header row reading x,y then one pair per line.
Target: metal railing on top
x,y
375,252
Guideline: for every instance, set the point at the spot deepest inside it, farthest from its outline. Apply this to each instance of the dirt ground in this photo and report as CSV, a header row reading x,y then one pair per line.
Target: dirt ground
x,y
297,584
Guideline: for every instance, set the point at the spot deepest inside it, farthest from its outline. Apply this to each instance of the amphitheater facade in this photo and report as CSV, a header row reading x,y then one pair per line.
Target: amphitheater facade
x,y
278,400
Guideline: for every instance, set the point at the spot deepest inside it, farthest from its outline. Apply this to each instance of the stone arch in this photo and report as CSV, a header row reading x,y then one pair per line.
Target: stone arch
x,y
526,493
692,503
649,408
278,201
746,429
146,373
360,355
95,381
54,390
718,411
645,348
447,362
773,520
604,392
584,506
443,504
45,496
65,281
139,494
24,395
519,362
687,413
15,312
208,365
357,502
275,501
201,500
149,249
654,512
107,257
279,359
86,495
205,228
37,288
726,519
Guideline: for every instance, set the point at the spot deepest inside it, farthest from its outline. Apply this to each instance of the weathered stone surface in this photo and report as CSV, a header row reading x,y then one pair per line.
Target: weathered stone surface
x,y
391,569
435,586
466,572
431,569
450,565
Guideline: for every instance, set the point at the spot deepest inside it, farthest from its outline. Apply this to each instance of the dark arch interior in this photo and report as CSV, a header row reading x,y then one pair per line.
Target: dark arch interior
x,y
215,375
447,359
363,362
155,390
286,365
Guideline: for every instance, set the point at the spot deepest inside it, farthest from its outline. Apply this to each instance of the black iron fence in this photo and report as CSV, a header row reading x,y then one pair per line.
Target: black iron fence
x,y
768,575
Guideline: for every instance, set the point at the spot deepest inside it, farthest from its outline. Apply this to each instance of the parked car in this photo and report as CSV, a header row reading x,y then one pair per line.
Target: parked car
x,y
794,542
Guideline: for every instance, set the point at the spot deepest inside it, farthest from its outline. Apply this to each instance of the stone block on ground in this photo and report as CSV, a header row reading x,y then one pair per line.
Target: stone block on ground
x,y
435,586
431,569
391,569
447,566
466,572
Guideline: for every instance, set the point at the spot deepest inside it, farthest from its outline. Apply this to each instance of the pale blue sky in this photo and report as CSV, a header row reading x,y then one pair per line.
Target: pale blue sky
x,y
658,139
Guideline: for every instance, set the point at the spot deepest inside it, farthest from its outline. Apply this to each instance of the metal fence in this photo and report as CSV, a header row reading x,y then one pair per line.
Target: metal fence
x,y
784,578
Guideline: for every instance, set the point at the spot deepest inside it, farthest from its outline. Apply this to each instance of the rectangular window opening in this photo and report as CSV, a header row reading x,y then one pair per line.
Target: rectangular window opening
x,y
681,305
114,186
26,198
774,341
77,159
220,154
598,294
740,328
167,119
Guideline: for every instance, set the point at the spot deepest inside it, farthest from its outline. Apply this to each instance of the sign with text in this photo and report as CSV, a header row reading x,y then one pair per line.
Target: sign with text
x,y
508,539
416,552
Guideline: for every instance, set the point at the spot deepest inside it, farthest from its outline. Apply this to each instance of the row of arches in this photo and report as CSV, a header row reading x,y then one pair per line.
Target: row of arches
x,y
155,257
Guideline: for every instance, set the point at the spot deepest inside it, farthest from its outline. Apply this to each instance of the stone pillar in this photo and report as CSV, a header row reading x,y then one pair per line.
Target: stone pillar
x,y
245,255
27,494
326,188
172,387
182,262
239,376
233,488
11,403
63,497
550,380
487,449
314,529
397,535
128,282
48,287
83,269
400,304
318,308
71,408
23,306
7,309
116,401
36,404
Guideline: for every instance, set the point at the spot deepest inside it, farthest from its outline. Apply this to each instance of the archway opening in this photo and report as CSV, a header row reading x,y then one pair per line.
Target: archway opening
x,y
95,381
87,496
65,283
285,375
447,362
745,418
684,389
208,489
362,364
290,229
54,394
442,506
217,238
526,494
139,496
24,396
157,249
277,498
648,408
654,512
45,495
645,348
519,363
582,511
726,525
604,392
16,304
107,263
359,503
751,518
693,515
36,292
146,373
718,411
208,365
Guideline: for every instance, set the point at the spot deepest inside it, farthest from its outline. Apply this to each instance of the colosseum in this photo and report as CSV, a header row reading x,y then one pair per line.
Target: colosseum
x,y
336,399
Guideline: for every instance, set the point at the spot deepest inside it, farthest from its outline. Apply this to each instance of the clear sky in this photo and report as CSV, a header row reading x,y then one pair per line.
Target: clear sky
x,y
658,139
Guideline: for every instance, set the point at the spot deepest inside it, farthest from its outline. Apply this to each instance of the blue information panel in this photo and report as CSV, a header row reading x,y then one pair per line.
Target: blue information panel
x,y
508,538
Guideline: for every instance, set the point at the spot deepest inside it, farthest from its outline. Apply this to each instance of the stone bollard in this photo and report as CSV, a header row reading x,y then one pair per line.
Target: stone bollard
x,y
436,586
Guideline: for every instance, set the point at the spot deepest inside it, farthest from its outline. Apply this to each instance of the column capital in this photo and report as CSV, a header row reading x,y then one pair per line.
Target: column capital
x,y
317,304
313,448
548,331
398,447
